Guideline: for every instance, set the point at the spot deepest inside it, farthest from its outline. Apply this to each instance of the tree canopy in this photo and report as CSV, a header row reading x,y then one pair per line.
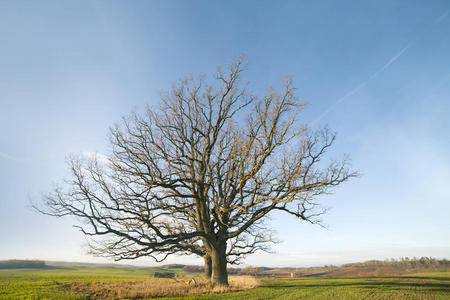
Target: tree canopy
x,y
200,173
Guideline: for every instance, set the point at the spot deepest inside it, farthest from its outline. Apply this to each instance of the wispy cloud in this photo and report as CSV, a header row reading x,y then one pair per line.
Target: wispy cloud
x,y
97,156
20,160
8,157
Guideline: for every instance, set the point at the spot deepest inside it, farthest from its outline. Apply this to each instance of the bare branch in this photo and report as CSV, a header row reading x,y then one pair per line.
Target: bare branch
x,y
201,173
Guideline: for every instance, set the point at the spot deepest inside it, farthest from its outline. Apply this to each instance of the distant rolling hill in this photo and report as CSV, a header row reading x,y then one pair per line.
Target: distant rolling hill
x,y
21,264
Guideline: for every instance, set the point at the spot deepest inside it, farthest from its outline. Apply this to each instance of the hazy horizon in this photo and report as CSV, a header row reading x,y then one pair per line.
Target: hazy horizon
x,y
376,72
154,264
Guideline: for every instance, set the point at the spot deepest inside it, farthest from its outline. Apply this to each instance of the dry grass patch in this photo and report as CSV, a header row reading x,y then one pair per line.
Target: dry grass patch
x,y
158,287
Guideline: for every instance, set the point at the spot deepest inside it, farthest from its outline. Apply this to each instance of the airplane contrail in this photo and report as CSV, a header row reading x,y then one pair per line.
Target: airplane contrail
x,y
365,82
439,19
442,17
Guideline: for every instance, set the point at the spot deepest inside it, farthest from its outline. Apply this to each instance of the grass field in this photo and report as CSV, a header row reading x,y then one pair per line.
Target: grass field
x,y
421,286
47,284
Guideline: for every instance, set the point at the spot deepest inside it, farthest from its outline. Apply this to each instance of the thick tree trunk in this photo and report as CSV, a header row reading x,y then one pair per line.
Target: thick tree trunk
x,y
219,274
208,266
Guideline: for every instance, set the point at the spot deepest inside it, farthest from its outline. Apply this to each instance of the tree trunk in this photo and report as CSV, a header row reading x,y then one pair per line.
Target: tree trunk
x,y
208,266
219,275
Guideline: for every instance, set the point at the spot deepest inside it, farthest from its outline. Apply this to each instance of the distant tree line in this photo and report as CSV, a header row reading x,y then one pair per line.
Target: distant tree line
x,y
401,265
200,269
173,266
404,263
18,264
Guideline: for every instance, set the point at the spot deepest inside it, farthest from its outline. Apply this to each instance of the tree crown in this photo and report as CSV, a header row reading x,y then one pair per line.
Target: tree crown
x,y
203,170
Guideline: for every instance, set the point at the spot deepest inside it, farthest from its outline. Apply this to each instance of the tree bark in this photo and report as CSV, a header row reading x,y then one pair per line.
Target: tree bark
x,y
208,266
219,275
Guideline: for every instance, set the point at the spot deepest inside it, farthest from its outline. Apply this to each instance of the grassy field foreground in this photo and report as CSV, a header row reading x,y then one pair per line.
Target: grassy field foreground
x,y
52,284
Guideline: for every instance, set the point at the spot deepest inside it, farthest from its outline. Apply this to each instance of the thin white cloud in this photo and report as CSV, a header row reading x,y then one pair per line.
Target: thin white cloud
x,y
8,157
98,156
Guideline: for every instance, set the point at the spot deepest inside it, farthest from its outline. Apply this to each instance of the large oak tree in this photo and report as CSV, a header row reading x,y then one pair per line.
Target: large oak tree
x,y
200,174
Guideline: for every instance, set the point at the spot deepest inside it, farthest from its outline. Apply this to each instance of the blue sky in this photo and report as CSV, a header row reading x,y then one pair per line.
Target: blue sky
x,y
378,72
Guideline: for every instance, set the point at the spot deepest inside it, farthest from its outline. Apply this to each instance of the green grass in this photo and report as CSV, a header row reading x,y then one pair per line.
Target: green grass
x,y
423,286
44,284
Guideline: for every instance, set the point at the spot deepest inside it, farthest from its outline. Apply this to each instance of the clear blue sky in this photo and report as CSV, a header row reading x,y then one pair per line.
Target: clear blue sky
x,y
378,72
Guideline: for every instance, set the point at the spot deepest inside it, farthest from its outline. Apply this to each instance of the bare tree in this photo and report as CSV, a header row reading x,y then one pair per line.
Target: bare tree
x,y
200,174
